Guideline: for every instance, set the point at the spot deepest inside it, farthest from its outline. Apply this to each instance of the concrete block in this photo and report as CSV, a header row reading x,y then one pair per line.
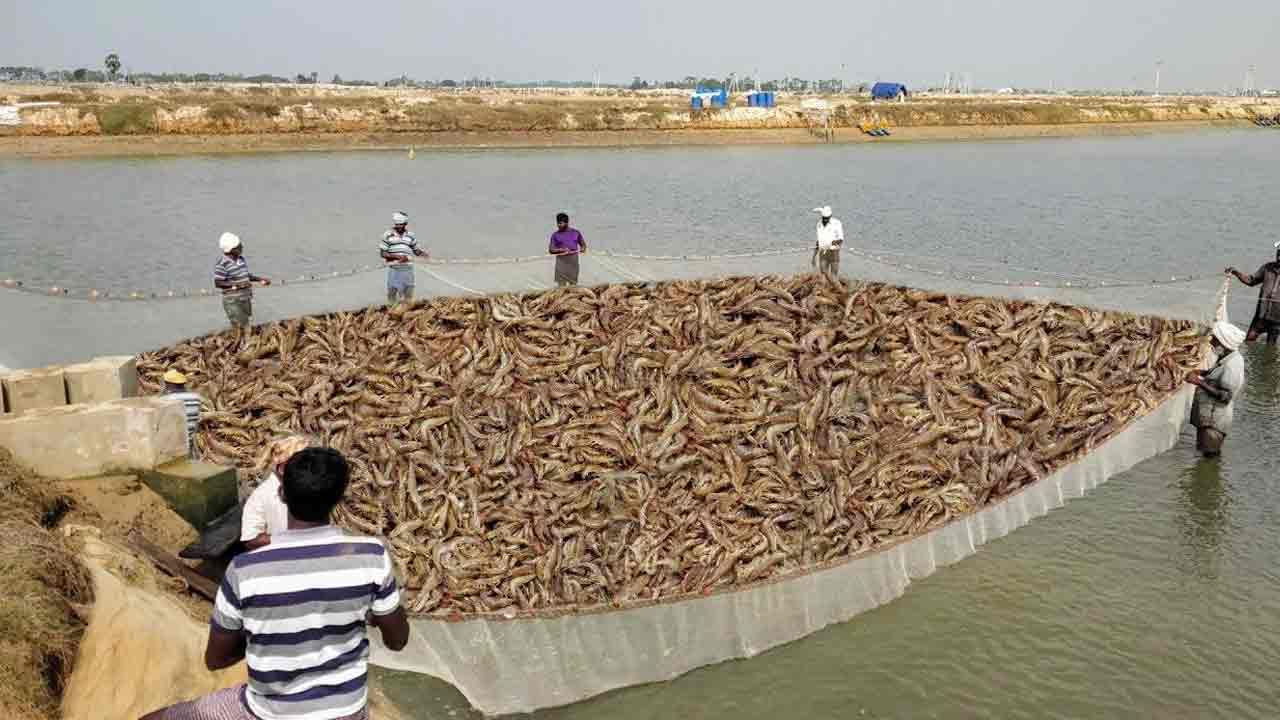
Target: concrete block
x,y
102,379
199,492
118,437
34,389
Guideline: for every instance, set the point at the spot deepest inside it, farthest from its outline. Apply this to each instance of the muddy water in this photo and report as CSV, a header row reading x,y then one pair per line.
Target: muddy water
x,y
1156,596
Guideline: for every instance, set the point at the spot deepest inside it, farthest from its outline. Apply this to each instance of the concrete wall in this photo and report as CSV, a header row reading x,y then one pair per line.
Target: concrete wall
x,y
121,436
99,380
102,379
26,390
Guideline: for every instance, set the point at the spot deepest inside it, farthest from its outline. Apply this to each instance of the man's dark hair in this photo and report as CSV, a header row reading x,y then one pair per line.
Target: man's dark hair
x,y
314,481
562,217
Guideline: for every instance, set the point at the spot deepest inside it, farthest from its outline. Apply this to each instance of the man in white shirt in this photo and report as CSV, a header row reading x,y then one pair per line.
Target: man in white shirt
x,y
264,512
826,250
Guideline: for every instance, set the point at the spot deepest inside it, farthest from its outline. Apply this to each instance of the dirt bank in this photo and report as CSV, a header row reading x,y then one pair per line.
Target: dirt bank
x,y
88,629
166,145
43,590
251,118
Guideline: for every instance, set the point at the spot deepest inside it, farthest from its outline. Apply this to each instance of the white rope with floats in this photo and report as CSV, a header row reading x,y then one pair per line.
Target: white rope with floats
x,y
616,261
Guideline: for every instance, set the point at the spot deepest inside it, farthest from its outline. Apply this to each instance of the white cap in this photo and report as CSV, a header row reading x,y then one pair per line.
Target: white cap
x,y
1277,245
399,218
229,242
825,210
1228,335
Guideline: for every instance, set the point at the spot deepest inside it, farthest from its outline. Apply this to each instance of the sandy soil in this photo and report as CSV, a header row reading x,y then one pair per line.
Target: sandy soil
x,y
120,505
162,145
142,649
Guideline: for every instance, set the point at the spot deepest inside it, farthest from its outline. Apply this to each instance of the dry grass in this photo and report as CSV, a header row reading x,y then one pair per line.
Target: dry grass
x,y
41,583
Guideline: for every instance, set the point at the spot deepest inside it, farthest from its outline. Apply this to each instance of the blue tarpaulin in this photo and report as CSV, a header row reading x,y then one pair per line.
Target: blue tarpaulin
x,y
888,91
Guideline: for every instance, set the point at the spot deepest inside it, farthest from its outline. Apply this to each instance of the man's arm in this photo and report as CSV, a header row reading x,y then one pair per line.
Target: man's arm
x,y
386,613
1215,391
394,628
582,243
225,648
1249,280
222,282
259,279
384,250
253,519
227,639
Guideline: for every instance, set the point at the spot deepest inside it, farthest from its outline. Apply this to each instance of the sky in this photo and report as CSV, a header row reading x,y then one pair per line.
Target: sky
x,y
1015,43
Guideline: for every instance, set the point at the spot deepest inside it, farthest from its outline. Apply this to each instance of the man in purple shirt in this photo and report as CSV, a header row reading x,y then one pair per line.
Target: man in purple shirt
x,y
566,244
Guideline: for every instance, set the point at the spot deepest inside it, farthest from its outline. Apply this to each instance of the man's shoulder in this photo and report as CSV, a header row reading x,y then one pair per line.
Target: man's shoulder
x,y
282,555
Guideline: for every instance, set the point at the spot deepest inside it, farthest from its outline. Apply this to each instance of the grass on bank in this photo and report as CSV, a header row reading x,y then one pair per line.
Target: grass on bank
x,y
127,119
41,584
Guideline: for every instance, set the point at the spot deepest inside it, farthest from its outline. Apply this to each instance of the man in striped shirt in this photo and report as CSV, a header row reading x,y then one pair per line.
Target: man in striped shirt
x,y
175,387
296,610
231,275
397,249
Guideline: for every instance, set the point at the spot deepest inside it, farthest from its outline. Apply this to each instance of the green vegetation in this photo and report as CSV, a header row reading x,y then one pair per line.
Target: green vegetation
x,y
223,113
127,119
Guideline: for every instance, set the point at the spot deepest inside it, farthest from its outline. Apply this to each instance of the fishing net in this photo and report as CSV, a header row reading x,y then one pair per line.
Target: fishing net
x,y
51,325
518,663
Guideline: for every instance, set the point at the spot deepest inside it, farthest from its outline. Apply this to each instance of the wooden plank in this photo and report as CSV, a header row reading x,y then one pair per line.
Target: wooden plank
x,y
198,583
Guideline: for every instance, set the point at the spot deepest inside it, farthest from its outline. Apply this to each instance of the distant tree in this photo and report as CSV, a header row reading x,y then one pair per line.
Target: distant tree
x,y
112,63
337,79
315,78
449,83
80,74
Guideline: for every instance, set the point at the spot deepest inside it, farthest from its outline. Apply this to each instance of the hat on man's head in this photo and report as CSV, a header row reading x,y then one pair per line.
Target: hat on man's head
x,y
173,377
825,211
229,242
1228,335
399,218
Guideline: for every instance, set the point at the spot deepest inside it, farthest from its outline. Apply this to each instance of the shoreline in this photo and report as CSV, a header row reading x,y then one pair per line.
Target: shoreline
x,y
162,145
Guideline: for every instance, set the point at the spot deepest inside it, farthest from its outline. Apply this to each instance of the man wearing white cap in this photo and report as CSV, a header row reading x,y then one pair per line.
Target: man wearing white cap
x,y
1266,318
398,248
231,275
1216,388
826,251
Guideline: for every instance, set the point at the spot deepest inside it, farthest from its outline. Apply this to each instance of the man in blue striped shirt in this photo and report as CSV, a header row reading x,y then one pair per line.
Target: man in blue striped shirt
x,y
397,248
231,275
175,388
297,609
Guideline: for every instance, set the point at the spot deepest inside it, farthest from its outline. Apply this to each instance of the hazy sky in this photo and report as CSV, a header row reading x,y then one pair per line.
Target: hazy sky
x,y
1077,43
